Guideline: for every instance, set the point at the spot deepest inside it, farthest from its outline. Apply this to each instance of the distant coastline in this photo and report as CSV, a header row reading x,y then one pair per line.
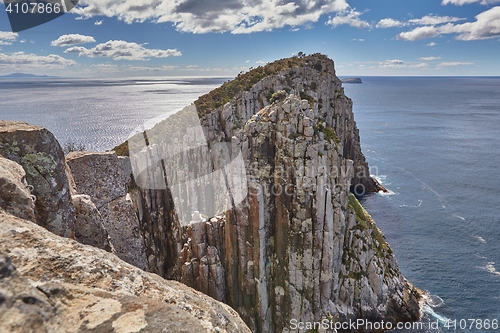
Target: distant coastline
x,y
26,76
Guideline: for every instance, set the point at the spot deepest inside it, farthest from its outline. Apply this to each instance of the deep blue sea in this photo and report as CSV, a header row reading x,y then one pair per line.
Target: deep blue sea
x,y
433,142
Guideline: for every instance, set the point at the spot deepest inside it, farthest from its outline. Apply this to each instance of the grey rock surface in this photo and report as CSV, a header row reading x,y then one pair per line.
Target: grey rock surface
x,y
15,195
89,228
53,284
102,177
41,156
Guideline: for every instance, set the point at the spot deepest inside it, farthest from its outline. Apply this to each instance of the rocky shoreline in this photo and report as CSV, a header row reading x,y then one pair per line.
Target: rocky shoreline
x,y
296,246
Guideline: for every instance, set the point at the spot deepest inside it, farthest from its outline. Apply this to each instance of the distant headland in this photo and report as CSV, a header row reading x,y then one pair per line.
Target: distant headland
x,y
26,76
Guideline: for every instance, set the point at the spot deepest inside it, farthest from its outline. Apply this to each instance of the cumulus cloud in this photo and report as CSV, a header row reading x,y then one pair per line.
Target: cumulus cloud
x,y
21,60
122,50
435,20
431,44
236,16
419,33
7,38
487,25
348,17
389,23
99,22
72,39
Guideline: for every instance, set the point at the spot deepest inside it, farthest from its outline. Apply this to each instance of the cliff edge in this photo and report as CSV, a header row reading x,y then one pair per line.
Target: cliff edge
x,y
286,239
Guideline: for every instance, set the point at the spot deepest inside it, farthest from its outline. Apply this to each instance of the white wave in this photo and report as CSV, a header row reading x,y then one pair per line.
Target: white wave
x,y
459,217
490,267
434,301
386,194
412,206
379,178
429,303
480,239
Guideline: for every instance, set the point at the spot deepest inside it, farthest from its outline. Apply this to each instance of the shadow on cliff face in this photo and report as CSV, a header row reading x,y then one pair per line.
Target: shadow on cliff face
x,y
209,177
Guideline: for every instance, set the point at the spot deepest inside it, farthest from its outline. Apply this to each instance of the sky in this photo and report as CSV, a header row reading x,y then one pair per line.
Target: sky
x,y
132,38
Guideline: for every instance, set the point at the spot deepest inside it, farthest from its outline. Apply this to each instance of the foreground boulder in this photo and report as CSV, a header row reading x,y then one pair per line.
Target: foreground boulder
x,y
102,177
42,158
53,284
15,196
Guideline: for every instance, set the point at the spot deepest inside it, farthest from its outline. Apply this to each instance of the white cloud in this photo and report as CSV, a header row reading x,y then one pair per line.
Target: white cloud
x,y
399,64
431,44
435,20
419,33
464,2
429,58
99,22
487,25
150,69
72,39
21,60
236,16
122,50
348,17
7,38
389,23
106,67
426,20
114,68
358,39
454,63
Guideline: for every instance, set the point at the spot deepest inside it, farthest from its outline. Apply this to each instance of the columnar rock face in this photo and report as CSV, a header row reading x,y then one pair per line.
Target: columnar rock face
x,y
200,258
299,245
102,177
53,284
42,158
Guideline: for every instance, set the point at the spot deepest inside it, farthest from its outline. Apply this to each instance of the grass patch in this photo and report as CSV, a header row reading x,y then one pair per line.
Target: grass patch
x,y
362,215
245,81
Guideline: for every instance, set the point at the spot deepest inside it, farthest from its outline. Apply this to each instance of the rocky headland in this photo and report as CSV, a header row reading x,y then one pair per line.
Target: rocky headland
x,y
247,196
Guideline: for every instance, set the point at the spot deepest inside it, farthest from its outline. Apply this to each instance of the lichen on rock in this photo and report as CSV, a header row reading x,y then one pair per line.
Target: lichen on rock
x,y
41,156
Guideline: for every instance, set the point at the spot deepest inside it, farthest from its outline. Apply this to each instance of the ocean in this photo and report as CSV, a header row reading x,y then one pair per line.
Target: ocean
x,y
434,142
98,114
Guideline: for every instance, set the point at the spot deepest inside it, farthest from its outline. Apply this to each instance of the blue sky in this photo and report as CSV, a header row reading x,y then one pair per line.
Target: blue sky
x,y
113,38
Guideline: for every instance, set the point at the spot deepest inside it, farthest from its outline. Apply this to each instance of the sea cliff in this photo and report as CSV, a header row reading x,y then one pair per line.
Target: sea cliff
x,y
248,195
297,244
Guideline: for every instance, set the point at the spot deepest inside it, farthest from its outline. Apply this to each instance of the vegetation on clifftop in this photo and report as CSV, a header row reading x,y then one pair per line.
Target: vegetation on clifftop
x,y
245,81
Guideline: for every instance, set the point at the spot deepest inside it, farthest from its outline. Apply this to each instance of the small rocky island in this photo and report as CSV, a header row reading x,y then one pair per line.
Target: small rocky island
x,y
352,80
96,241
